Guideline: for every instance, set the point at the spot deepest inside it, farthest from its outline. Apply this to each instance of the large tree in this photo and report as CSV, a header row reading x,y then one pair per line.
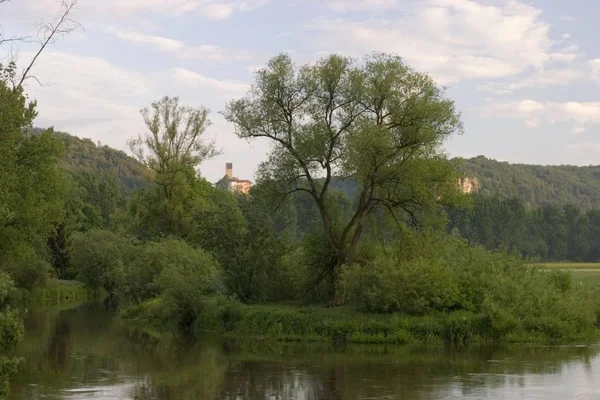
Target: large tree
x,y
377,122
174,143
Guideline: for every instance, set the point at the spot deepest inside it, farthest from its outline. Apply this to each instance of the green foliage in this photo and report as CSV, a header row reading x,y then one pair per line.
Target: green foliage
x,y
55,292
85,159
536,185
174,143
443,273
288,322
26,267
99,257
185,281
549,233
11,331
389,284
378,122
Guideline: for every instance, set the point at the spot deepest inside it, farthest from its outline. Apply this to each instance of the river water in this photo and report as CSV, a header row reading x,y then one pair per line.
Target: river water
x,y
86,353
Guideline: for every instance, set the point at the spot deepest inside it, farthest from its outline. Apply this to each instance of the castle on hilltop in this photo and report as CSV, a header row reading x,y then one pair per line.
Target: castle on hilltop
x,y
233,184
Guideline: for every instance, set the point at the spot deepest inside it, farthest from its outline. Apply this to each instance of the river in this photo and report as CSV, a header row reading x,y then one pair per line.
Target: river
x,y
87,353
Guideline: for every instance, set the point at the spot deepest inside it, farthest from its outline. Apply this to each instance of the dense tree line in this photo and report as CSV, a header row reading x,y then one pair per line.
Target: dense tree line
x,y
349,209
536,185
548,233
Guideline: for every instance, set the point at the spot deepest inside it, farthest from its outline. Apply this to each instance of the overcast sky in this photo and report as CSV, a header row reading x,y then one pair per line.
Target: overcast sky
x,y
524,74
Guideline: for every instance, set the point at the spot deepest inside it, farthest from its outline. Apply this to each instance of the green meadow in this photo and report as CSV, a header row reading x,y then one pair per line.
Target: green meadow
x,y
584,274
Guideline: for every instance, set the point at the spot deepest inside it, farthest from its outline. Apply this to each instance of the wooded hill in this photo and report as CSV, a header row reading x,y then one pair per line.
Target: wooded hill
x,y
536,185
84,157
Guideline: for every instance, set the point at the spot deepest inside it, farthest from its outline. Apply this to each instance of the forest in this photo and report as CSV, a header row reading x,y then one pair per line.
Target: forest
x,y
536,185
355,230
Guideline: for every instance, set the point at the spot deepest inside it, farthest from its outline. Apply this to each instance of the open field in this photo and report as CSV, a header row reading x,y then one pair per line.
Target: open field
x,y
584,274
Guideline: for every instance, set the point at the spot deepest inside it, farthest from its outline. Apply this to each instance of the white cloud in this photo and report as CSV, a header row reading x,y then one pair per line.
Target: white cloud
x,y
160,43
193,79
249,5
211,9
90,97
451,39
539,79
595,66
568,18
533,113
203,52
360,5
216,10
566,36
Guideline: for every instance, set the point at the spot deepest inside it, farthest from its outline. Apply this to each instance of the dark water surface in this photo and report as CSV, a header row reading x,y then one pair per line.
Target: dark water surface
x,y
86,353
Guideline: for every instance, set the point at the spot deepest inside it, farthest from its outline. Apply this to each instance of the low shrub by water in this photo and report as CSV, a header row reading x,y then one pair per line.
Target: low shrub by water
x,y
424,289
287,322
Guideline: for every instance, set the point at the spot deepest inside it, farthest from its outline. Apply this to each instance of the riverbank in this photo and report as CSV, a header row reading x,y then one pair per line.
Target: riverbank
x,y
87,347
293,322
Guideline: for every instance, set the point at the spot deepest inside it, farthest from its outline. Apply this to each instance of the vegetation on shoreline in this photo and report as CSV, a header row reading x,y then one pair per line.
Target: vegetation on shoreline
x,y
57,292
302,323
182,253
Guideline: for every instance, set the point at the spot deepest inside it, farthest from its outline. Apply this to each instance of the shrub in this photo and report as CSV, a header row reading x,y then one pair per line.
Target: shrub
x,y
99,257
388,284
26,267
187,277
140,272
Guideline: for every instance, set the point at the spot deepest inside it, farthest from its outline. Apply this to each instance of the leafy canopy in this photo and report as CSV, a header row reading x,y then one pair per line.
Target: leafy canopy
x,y
377,122
174,143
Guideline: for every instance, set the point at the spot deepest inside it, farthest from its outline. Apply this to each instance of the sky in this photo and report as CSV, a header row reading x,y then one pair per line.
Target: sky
x,y
525,75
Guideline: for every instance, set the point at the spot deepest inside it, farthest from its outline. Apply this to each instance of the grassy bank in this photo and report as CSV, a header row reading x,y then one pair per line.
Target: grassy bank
x,y
58,292
290,322
585,275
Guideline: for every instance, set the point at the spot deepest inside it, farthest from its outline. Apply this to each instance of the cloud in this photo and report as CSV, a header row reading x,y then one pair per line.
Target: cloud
x,y
568,18
595,67
203,52
249,5
216,10
90,97
343,6
533,113
193,79
157,42
210,9
539,79
451,39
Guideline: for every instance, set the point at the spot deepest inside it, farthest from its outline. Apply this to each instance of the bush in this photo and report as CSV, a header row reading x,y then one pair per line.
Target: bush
x,y
438,273
187,277
26,267
99,257
140,273
413,287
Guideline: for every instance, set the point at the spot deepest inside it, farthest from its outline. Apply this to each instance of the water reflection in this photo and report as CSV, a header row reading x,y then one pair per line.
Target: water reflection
x,y
86,353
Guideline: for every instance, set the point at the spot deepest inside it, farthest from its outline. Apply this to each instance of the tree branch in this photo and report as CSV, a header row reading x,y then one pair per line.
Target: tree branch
x,y
49,31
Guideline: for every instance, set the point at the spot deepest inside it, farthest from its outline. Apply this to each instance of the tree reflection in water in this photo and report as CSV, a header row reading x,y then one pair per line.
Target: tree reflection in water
x,y
88,353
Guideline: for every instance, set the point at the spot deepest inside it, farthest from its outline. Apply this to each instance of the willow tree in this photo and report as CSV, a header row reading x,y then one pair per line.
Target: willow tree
x,y
174,144
376,121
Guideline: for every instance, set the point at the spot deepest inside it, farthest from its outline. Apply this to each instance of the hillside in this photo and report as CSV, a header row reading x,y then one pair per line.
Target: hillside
x,y
536,185
84,156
